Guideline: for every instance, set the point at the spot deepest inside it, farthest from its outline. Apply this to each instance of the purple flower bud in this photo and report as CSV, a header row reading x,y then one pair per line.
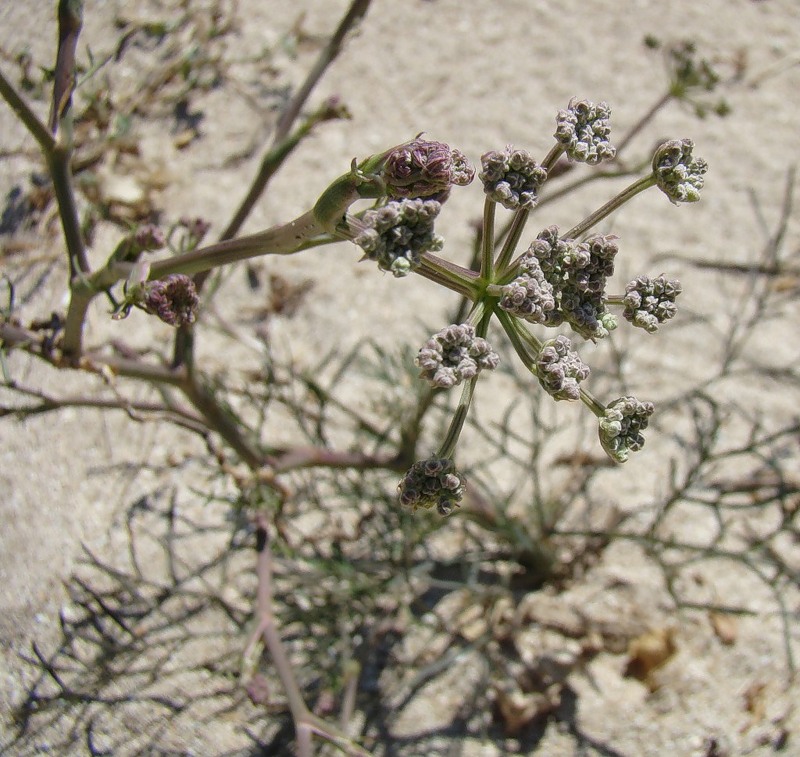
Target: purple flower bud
x,y
432,483
173,299
396,234
422,168
148,237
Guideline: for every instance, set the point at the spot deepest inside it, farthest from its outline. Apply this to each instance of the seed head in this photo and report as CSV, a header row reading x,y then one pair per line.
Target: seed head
x,y
422,168
396,234
511,177
432,483
454,354
650,302
678,175
622,425
583,129
560,369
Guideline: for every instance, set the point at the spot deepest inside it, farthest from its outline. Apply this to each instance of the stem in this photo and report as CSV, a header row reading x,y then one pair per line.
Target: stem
x,y
58,162
285,239
356,11
29,119
556,151
487,241
613,204
521,340
270,163
512,240
644,120
597,407
449,275
221,421
306,723
448,448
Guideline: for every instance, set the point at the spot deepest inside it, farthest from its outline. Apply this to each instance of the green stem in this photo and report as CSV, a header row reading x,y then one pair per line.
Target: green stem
x,y
512,240
449,275
448,448
524,343
613,204
487,240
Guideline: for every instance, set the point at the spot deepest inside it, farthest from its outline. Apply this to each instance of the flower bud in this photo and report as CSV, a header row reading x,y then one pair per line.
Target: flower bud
x,y
434,482
622,425
678,175
173,299
583,129
396,234
422,168
512,178
453,355
560,369
650,302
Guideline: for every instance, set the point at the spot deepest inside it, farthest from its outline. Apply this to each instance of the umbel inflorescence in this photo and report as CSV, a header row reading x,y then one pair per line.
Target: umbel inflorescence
x,y
558,280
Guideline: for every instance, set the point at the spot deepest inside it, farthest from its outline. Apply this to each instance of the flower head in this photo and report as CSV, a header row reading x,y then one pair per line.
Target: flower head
x,y
560,369
511,177
422,168
173,299
583,130
678,175
454,354
577,273
396,234
147,238
650,302
622,425
432,483
530,295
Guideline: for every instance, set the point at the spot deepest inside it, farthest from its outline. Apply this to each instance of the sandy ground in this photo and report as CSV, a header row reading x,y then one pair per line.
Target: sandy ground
x,y
478,75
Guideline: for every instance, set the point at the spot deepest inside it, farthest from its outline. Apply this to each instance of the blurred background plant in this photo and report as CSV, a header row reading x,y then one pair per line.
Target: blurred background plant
x,y
377,608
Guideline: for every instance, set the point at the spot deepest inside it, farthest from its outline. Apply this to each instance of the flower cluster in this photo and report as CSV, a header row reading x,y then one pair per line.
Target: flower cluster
x,y
649,302
454,354
560,369
678,175
511,177
434,482
422,168
621,427
530,295
559,279
577,274
397,233
173,299
583,130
